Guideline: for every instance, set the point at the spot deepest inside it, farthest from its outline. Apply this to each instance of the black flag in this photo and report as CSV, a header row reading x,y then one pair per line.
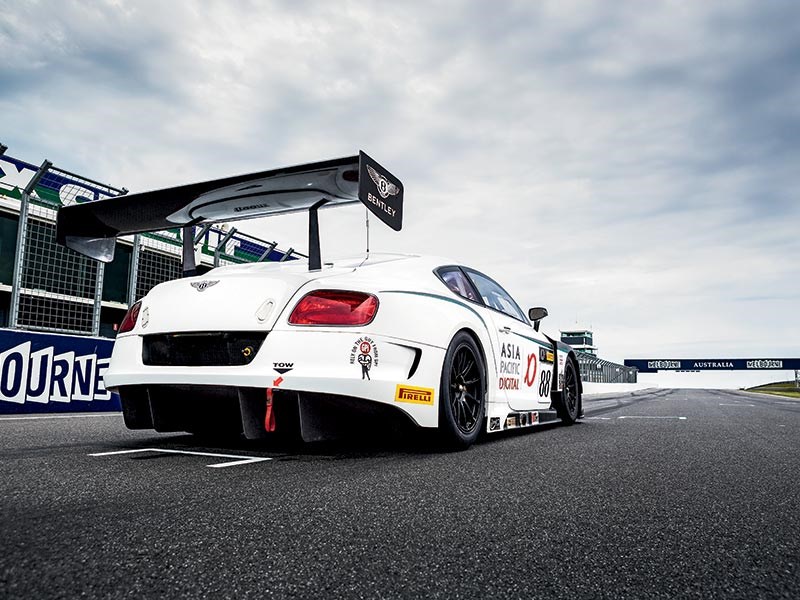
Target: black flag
x,y
380,191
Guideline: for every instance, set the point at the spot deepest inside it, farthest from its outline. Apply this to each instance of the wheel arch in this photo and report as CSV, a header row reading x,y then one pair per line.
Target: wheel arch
x,y
574,359
450,428
470,332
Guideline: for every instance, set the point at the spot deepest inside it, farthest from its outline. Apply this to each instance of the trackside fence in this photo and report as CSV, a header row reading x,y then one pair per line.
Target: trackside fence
x,y
55,289
597,370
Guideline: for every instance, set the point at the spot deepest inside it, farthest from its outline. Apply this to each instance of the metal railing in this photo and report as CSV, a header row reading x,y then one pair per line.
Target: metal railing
x,y
597,370
58,290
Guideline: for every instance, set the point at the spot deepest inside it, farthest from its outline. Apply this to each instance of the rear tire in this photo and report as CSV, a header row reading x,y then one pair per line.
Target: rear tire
x,y
461,393
569,399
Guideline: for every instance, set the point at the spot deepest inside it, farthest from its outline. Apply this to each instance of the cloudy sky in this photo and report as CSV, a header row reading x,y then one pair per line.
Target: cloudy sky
x,y
633,166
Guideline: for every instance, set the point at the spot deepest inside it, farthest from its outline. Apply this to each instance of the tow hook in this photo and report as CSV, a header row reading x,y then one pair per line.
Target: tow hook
x,y
269,417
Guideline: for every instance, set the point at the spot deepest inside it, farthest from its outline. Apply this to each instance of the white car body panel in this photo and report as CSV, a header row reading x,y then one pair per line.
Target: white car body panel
x,y
417,311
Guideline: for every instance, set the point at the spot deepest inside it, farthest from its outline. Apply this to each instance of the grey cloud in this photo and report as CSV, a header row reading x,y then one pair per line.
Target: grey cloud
x,y
632,165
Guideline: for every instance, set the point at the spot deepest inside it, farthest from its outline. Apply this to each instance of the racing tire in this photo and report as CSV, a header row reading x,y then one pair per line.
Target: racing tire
x,y
568,405
462,393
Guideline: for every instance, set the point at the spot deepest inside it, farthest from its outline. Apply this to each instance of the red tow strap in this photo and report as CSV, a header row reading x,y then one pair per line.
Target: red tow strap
x,y
269,418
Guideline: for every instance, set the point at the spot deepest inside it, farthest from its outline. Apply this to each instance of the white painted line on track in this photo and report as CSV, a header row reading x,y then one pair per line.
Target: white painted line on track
x,y
734,404
120,452
599,418
648,417
39,417
236,463
793,403
240,460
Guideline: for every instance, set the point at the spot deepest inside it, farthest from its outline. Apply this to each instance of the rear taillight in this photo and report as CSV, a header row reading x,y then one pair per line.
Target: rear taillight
x,y
129,322
335,307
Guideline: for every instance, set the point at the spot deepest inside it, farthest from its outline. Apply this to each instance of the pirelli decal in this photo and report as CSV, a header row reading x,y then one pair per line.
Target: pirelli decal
x,y
414,395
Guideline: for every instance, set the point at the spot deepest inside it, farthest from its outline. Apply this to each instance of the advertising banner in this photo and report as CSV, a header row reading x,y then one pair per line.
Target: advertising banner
x,y
651,365
50,373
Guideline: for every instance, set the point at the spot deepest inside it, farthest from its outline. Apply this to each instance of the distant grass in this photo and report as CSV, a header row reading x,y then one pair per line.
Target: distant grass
x,y
790,394
779,388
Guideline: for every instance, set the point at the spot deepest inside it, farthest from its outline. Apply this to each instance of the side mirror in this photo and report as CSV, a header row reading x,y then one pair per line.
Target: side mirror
x,y
536,314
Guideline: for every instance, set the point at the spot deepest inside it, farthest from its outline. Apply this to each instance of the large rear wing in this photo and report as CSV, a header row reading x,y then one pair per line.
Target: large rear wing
x,y
91,228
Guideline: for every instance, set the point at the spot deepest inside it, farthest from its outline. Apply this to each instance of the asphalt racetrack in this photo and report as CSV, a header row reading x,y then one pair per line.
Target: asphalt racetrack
x,y
665,494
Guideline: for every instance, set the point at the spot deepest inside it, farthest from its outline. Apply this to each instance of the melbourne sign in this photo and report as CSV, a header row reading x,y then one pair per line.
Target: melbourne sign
x,y
650,365
53,373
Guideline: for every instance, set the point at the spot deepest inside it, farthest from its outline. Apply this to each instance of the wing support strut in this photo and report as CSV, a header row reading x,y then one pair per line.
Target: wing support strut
x,y
314,254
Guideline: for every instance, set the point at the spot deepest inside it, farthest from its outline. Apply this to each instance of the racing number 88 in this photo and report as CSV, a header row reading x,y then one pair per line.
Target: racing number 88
x,y
544,383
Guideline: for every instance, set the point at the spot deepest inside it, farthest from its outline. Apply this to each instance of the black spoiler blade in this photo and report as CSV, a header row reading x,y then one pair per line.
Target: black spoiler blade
x,y
91,228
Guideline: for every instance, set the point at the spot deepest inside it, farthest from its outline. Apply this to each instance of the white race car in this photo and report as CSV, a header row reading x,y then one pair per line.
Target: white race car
x,y
265,348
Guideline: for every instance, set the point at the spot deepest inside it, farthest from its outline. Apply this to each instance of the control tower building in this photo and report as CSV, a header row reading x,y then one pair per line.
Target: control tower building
x,y
581,340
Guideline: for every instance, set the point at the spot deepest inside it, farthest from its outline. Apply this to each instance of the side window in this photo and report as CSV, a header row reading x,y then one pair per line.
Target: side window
x,y
495,297
454,278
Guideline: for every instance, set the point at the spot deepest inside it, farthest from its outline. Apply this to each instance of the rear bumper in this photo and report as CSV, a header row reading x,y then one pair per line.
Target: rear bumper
x,y
306,360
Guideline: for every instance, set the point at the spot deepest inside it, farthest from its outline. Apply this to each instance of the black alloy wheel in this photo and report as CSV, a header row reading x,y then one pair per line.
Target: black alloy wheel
x,y
570,395
463,388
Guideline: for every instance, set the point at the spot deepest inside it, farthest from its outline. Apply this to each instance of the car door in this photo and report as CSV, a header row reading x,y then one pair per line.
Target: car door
x,y
524,357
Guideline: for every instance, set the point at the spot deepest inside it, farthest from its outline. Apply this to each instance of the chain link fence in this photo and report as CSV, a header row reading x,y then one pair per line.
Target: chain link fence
x,y
56,289
156,263
597,370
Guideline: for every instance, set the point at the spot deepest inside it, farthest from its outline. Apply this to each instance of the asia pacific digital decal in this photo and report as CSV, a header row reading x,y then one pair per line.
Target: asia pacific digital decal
x,y
44,373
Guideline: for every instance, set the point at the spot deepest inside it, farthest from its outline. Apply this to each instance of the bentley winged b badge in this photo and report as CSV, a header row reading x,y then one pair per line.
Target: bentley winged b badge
x,y
385,187
202,286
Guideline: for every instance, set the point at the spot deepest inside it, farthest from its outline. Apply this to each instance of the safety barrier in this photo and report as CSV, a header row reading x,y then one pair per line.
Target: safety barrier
x,y
597,370
55,289
48,373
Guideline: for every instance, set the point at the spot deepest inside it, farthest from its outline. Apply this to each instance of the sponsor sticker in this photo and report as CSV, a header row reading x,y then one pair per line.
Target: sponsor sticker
x,y
413,394
494,423
510,366
530,371
365,353
524,419
508,383
546,355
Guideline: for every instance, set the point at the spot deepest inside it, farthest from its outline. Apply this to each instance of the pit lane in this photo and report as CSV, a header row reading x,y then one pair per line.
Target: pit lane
x,y
633,502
